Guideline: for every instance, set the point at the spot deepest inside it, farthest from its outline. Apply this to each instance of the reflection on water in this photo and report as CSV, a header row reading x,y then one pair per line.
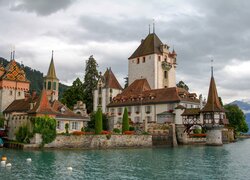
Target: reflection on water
x,y
184,162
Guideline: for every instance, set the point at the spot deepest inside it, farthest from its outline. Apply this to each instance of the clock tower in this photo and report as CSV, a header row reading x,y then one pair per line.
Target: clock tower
x,y
154,61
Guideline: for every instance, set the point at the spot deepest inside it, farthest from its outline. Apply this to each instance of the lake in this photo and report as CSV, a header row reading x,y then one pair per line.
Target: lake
x,y
230,161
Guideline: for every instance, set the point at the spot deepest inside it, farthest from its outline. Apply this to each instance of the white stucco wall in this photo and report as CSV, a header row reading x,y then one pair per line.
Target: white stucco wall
x,y
6,98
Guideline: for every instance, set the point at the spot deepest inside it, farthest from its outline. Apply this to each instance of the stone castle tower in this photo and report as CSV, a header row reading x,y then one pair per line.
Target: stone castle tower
x,y
13,84
51,82
153,60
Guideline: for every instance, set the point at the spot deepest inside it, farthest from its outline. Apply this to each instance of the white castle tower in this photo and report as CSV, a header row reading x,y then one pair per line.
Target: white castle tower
x,y
153,60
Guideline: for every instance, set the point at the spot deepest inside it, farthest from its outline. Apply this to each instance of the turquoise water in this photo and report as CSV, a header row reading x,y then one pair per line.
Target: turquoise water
x,y
184,162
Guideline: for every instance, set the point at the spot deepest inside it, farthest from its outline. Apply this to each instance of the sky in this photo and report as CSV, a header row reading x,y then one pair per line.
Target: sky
x,y
111,30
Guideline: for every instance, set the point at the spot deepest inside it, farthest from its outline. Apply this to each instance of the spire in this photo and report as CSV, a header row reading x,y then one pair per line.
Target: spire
x,y
149,29
212,68
52,72
213,102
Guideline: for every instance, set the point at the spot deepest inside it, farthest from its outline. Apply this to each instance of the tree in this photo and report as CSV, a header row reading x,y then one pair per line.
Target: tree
x,y
125,121
236,118
73,94
126,82
91,124
90,82
181,84
98,121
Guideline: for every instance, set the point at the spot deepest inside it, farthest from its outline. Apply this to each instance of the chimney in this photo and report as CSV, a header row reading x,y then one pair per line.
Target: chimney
x,y
201,101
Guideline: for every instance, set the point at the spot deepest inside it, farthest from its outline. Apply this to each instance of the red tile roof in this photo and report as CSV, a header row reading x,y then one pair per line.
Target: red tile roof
x,y
139,92
110,80
151,45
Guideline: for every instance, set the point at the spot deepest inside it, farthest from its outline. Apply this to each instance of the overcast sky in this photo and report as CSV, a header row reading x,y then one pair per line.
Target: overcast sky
x,y
111,31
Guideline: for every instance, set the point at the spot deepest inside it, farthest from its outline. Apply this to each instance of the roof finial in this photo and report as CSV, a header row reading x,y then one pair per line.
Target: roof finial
x,y
14,54
52,56
11,54
153,25
149,29
212,68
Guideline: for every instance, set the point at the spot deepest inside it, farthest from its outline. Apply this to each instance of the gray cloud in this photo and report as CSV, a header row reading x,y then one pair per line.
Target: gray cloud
x,y
41,7
198,30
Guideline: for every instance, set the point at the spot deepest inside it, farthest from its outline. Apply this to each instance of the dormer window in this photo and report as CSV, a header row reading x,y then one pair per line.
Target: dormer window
x,y
63,110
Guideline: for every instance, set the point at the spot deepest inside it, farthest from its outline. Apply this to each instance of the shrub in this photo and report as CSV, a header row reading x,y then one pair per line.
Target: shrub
x,y
116,130
23,134
108,136
197,131
82,129
45,126
131,128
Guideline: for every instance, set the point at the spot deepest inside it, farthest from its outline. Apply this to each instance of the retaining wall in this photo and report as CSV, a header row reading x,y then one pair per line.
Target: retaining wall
x,y
100,141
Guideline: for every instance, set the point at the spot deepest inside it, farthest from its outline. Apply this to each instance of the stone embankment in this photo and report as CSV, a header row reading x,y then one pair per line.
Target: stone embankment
x,y
100,141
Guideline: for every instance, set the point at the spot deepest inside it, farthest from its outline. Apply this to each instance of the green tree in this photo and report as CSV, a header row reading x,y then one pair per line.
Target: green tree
x,y
91,123
98,121
45,126
236,118
125,121
181,84
90,82
126,82
73,94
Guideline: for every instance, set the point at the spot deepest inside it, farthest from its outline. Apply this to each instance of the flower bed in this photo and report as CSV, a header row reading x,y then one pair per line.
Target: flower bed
x,y
78,133
105,132
129,132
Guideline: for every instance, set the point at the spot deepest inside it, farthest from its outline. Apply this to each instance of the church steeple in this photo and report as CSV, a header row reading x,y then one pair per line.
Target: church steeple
x,y
51,71
51,82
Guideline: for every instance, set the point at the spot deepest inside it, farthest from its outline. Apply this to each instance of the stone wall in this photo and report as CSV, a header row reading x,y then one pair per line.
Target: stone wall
x,y
100,141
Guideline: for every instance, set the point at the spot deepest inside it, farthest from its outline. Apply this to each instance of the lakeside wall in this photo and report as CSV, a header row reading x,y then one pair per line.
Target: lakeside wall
x,y
100,141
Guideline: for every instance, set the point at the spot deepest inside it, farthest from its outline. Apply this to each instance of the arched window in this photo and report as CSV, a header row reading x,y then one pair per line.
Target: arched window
x,y
54,85
49,85
165,74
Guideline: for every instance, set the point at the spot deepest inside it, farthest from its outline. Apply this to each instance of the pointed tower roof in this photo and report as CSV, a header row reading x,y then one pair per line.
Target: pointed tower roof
x,y
52,72
110,80
213,102
151,45
42,106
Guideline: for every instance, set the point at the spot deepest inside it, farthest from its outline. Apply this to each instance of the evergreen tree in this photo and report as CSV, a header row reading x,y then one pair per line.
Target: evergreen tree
x,y
126,82
98,121
125,121
236,118
90,82
181,84
73,94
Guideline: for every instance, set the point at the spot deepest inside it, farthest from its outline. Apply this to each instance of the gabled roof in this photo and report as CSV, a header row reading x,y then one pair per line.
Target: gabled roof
x,y
14,73
139,92
213,102
64,111
151,45
42,106
20,105
110,80
137,87
51,71
191,111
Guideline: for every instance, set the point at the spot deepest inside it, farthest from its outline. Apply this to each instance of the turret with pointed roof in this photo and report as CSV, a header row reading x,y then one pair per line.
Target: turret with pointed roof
x,y
51,82
213,112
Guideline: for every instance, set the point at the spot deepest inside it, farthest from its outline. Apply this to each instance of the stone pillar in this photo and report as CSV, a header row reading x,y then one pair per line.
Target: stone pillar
x,y
214,136
174,144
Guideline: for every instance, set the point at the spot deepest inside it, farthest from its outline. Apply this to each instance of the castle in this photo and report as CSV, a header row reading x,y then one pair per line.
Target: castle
x,y
153,98
19,107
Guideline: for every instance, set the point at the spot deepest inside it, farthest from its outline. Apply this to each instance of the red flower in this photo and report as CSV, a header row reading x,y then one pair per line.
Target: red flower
x,y
129,132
